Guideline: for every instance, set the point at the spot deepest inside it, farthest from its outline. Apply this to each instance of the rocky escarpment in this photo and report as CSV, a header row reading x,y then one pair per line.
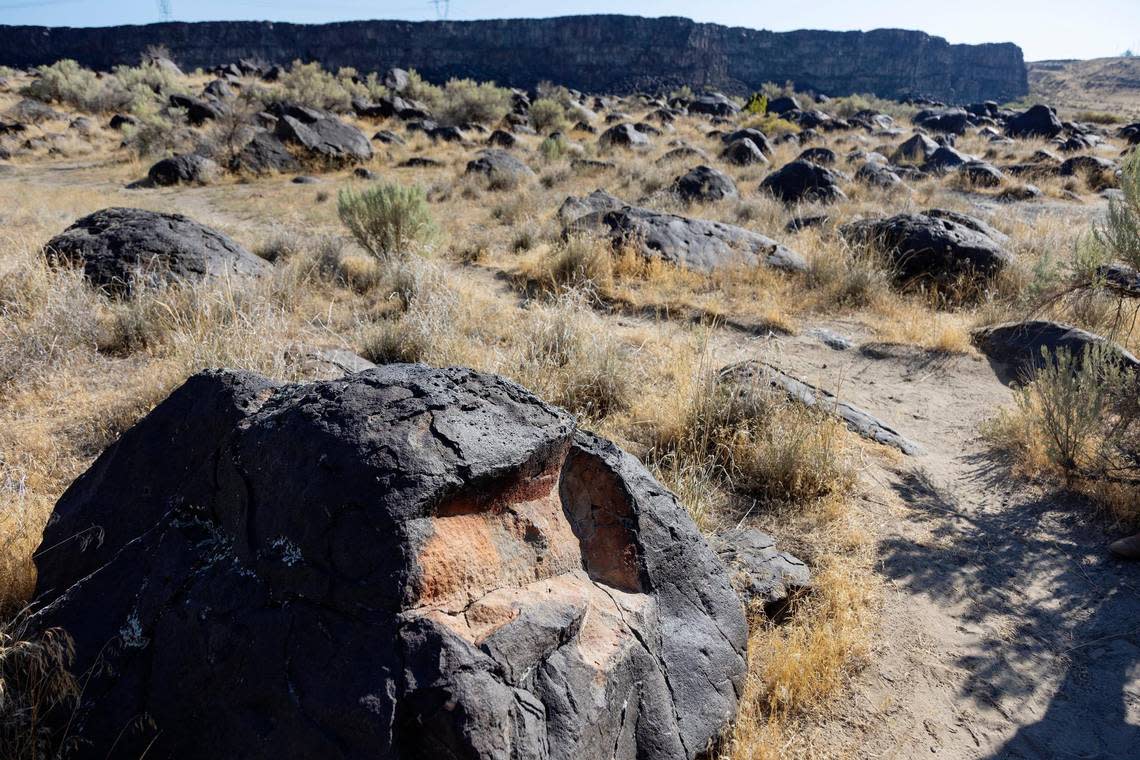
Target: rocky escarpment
x,y
590,53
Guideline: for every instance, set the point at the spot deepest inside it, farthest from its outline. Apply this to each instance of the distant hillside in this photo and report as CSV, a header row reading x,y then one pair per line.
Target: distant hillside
x,y
1100,84
591,53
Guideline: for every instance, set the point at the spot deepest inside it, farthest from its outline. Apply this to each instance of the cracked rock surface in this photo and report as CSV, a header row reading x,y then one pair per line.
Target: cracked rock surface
x,y
407,562
118,247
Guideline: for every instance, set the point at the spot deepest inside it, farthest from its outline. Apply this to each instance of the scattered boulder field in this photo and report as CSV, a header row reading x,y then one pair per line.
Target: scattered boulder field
x,y
409,562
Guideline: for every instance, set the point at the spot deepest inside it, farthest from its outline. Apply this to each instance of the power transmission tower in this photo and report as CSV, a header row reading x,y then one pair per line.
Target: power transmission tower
x,y
164,10
442,8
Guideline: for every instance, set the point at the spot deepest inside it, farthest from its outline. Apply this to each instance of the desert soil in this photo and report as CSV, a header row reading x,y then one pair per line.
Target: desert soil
x,y
1006,631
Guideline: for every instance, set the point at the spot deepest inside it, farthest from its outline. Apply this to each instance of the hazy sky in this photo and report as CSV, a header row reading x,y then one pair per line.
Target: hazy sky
x,y
1043,28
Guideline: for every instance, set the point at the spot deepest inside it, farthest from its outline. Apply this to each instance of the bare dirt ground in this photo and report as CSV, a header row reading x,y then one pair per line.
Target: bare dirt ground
x,y
1006,632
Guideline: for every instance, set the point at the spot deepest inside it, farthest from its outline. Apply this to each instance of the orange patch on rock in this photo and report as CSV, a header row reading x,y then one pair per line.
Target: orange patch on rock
x,y
479,544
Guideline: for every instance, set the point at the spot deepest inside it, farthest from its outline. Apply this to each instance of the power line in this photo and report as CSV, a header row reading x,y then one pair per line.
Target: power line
x,y
164,9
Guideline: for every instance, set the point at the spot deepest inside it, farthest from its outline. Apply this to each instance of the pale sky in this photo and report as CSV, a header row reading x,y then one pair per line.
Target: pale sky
x,y
1043,28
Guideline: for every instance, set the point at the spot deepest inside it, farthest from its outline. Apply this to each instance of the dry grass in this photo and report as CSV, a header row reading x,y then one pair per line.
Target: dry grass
x,y
621,341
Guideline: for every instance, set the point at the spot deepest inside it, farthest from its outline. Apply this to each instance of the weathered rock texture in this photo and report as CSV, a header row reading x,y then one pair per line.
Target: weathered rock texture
x,y
754,376
121,248
405,563
591,53
1016,350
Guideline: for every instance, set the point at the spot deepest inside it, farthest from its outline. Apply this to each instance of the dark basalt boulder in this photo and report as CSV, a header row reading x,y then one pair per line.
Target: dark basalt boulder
x,y
369,110
623,136
1019,193
1075,144
755,136
576,208
500,167
801,181
122,248
502,139
812,222
810,119
120,120
949,120
981,174
419,162
12,128
218,89
445,134
704,184
1017,349
713,104
198,110
937,245
265,154
971,222
323,136
783,104
695,244
944,159
388,137
188,168
916,150
683,153
877,174
1085,165
404,563
1120,278
763,576
821,156
743,153
1038,121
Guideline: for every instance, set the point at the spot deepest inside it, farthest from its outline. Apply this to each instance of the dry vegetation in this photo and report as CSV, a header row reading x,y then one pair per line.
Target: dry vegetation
x,y
620,341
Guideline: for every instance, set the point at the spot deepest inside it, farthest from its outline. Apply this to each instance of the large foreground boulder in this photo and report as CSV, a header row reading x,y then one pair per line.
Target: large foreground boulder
x,y
405,563
324,136
936,244
696,244
1017,349
121,248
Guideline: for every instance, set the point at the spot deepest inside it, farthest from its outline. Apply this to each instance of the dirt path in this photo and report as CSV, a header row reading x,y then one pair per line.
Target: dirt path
x,y
1007,631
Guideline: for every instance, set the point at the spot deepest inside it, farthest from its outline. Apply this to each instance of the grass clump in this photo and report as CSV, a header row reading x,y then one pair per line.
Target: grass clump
x,y
35,683
547,115
389,220
1075,421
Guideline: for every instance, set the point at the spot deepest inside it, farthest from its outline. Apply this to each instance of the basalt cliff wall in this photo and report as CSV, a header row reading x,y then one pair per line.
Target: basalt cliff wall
x,y
591,53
